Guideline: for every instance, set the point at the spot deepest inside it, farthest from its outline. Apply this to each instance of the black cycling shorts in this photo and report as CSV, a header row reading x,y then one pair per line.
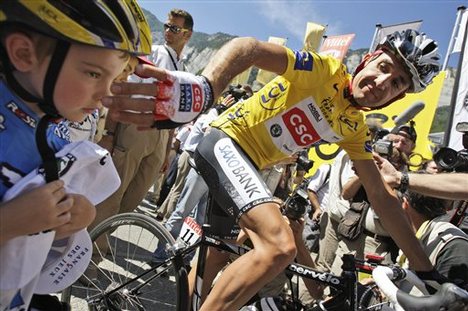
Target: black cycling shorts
x,y
232,178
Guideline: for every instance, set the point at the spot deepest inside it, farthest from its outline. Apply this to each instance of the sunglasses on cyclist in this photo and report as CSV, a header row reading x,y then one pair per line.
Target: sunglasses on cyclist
x,y
174,28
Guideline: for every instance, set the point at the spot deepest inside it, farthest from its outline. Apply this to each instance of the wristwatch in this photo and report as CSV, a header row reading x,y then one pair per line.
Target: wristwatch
x,y
404,182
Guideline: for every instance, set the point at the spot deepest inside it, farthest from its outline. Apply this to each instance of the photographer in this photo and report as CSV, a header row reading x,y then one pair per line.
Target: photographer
x,y
370,236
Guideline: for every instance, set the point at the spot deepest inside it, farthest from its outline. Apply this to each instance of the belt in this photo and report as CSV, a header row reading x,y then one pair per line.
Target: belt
x,y
377,237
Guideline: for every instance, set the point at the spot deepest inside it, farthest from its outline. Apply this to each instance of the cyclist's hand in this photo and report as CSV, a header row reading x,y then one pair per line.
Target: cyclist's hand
x,y
181,97
82,212
133,102
40,209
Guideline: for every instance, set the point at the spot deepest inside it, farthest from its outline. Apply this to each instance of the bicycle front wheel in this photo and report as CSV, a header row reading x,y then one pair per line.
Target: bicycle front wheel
x,y
122,275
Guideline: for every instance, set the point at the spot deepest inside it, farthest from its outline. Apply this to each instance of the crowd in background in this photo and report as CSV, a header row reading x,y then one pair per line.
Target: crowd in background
x,y
158,178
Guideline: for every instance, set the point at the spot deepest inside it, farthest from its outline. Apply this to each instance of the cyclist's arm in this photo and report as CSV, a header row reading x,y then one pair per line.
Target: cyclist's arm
x,y
388,208
238,55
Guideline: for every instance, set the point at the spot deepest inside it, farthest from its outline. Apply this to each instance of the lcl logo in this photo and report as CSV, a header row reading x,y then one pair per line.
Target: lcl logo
x,y
300,127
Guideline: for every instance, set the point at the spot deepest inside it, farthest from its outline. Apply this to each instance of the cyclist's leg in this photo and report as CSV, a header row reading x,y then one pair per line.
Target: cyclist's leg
x,y
217,261
239,189
273,250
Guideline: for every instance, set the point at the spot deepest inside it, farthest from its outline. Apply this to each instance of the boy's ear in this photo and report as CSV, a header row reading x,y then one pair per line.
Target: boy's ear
x,y
21,50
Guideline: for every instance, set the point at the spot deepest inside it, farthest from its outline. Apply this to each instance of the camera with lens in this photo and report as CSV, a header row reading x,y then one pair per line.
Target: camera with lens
x,y
451,160
304,163
297,202
237,92
383,147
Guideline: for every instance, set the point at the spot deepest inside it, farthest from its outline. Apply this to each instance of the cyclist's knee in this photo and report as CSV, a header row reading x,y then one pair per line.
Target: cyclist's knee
x,y
281,248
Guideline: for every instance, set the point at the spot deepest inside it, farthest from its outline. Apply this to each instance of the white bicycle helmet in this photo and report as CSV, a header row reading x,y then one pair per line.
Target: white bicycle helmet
x,y
419,54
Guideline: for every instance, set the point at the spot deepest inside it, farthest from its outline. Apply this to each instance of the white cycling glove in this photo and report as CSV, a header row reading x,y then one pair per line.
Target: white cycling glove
x,y
181,98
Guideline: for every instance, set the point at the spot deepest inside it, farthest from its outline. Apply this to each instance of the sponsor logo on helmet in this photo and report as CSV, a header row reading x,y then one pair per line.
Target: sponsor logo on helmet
x,y
48,14
304,61
137,12
191,98
20,114
300,127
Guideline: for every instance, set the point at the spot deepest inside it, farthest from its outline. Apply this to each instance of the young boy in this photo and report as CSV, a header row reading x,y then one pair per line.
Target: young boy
x,y
57,60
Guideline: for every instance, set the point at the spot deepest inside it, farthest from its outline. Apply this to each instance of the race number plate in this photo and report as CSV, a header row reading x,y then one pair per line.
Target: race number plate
x,y
191,231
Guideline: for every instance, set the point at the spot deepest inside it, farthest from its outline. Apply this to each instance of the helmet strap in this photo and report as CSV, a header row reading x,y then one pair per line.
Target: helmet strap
x,y
49,162
56,62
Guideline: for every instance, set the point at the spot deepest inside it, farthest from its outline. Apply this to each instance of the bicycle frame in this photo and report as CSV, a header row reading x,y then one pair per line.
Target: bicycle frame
x,y
346,283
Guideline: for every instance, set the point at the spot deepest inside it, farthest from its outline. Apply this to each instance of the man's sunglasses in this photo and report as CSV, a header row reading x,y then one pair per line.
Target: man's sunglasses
x,y
174,28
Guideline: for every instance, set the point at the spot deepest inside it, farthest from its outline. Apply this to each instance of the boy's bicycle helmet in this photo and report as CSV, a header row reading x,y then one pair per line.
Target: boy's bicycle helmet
x,y
112,24
419,54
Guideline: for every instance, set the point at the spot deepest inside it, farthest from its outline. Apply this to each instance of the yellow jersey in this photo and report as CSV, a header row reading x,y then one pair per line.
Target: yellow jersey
x,y
303,107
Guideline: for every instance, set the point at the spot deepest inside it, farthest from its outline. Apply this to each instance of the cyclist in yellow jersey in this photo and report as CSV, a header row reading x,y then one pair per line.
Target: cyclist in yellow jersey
x,y
291,113
313,101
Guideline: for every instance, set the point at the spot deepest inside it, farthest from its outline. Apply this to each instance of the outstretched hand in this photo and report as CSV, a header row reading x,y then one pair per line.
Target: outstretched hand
x,y
134,103
171,99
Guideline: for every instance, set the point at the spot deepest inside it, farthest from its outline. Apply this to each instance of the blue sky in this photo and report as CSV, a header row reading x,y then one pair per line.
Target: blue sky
x,y
287,19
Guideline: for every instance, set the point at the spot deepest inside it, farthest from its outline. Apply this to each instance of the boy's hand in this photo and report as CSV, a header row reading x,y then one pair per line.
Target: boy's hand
x,y
82,212
43,208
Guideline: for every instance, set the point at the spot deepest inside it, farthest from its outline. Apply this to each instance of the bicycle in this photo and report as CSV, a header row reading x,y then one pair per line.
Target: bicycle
x,y
127,280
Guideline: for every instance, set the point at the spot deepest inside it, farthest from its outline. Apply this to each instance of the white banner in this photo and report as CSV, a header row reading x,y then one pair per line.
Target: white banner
x,y
457,47
386,30
460,113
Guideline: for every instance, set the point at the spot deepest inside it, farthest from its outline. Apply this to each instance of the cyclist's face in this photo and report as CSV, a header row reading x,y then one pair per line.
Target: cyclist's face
x,y
382,80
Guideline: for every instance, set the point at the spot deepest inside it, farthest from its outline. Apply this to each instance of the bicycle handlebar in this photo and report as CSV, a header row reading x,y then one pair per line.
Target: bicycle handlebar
x,y
449,295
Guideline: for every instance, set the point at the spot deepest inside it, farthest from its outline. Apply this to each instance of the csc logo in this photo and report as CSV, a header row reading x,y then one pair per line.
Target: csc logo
x,y
300,127
197,98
